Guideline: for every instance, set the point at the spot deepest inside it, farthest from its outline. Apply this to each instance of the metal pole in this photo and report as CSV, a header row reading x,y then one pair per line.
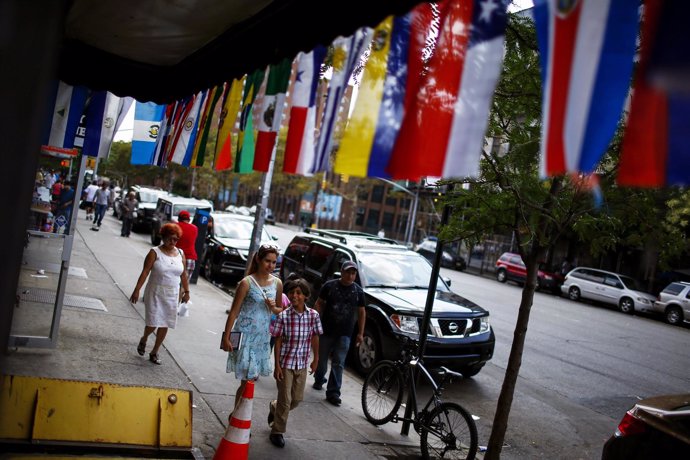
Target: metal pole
x,y
426,319
259,216
414,215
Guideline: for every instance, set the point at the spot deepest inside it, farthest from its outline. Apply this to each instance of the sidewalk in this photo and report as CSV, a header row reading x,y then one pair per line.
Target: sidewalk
x,y
98,345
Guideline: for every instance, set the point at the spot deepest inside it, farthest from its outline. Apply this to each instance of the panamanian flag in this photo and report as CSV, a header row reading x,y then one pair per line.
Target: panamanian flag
x,y
442,134
299,145
148,117
586,50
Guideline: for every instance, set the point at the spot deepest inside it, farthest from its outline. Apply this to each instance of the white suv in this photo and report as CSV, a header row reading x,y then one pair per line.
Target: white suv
x,y
611,288
674,302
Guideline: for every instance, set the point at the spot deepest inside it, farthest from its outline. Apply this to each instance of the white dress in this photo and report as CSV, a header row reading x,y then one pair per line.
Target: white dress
x,y
162,292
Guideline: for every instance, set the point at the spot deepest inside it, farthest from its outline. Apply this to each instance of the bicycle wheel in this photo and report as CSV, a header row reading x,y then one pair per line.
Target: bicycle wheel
x,y
449,432
382,393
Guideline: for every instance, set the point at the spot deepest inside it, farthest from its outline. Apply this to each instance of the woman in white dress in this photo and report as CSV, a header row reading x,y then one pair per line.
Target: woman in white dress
x,y
166,265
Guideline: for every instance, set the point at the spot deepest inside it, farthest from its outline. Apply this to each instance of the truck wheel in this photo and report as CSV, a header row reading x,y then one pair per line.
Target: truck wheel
x,y
368,352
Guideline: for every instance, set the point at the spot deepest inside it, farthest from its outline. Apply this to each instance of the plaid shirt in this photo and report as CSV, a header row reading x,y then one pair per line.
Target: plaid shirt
x,y
297,330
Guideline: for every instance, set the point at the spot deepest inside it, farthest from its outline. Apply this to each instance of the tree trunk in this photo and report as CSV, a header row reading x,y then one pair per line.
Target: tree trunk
x,y
505,399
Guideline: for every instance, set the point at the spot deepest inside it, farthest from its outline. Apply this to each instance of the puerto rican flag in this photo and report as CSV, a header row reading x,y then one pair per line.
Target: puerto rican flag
x,y
586,51
442,133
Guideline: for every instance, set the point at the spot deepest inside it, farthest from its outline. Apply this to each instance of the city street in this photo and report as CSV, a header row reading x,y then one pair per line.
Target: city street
x,y
584,365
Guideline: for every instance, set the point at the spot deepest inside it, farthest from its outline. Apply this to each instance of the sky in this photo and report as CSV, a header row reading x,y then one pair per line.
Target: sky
x,y
126,128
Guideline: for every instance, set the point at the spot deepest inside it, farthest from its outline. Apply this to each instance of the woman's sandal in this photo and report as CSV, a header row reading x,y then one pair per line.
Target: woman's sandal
x,y
141,348
154,358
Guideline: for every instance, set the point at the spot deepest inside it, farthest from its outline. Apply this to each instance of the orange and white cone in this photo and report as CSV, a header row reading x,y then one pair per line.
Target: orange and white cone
x,y
235,444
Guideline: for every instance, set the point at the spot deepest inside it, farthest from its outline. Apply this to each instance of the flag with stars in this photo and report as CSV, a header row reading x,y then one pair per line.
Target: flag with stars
x,y
442,133
299,145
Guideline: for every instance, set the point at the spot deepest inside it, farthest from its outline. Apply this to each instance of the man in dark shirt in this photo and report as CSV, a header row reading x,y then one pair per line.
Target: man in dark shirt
x,y
65,203
340,304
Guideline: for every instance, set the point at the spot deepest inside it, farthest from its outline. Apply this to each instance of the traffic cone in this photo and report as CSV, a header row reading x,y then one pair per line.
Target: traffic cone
x,y
235,444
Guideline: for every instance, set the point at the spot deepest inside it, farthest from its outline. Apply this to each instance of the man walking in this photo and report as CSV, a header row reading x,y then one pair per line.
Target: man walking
x,y
187,242
340,304
101,199
128,208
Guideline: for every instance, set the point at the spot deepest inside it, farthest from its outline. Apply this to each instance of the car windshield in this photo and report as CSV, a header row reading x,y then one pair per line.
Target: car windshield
x,y
402,270
190,208
148,197
237,229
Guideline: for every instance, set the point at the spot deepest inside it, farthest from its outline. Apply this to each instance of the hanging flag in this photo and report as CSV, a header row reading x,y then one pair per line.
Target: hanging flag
x,y
354,154
205,126
656,139
101,118
68,109
299,145
586,52
347,53
148,117
442,134
271,113
245,139
176,128
125,103
228,116
184,145
162,138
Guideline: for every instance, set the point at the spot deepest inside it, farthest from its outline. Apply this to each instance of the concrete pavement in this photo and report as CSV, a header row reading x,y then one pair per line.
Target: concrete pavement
x,y
101,346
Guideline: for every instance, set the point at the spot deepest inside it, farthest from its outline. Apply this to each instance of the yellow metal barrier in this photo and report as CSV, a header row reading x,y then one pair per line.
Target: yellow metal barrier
x,y
53,411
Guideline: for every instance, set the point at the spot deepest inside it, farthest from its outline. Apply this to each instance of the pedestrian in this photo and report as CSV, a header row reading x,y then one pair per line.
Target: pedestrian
x,y
89,196
64,205
381,233
340,304
128,209
291,217
165,264
296,329
257,296
56,189
188,240
101,199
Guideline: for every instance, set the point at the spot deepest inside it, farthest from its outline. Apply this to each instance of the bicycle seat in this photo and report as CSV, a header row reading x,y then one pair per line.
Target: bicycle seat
x,y
444,370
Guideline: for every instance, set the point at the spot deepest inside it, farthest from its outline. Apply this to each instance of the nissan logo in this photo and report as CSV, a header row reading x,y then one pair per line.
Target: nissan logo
x,y
453,327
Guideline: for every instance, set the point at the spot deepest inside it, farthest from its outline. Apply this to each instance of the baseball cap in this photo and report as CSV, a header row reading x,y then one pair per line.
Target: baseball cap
x,y
183,215
347,265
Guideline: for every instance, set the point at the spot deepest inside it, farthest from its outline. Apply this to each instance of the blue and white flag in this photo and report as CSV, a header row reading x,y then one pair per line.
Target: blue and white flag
x,y
102,116
346,55
68,109
183,147
147,124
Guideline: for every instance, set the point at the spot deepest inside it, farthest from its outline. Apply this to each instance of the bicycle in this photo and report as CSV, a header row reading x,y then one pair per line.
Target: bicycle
x,y
446,429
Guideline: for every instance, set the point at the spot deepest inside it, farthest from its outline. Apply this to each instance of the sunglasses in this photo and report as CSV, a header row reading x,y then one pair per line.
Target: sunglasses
x,y
268,246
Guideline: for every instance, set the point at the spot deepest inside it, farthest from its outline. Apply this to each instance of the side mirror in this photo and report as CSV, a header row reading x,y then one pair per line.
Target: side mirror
x,y
446,280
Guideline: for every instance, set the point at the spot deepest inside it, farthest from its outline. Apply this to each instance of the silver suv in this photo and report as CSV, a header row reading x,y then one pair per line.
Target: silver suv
x,y
674,302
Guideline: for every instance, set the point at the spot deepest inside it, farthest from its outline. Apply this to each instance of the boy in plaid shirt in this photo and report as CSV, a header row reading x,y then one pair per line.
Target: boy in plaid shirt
x,y
295,329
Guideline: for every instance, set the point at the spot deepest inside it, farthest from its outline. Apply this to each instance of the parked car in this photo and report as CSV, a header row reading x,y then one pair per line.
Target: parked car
x,y
169,207
656,427
449,258
395,282
227,246
269,219
607,287
674,302
510,267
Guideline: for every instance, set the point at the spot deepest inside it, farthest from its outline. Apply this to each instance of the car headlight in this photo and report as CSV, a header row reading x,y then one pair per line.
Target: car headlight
x,y
643,300
231,251
484,324
406,323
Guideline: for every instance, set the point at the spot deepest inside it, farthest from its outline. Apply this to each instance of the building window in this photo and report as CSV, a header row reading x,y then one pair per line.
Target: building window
x,y
391,201
360,216
387,221
377,194
373,219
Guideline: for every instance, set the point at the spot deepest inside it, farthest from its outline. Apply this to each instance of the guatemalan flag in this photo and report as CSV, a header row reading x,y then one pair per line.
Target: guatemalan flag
x,y
586,51
299,145
148,117
442,133
656,144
